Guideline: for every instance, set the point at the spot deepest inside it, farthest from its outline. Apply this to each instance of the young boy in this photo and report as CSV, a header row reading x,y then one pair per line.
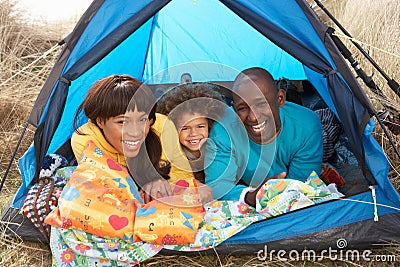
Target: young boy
x,y
193,107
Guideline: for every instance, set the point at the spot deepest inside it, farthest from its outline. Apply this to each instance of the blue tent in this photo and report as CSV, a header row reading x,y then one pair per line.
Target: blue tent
x,y
156,41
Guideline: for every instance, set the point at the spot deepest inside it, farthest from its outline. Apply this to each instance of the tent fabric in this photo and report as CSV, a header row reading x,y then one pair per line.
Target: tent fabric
x,y
156,41
314,219
185,7
69,43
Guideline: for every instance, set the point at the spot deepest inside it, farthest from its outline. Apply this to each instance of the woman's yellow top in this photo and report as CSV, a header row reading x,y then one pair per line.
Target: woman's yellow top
x,y
91,131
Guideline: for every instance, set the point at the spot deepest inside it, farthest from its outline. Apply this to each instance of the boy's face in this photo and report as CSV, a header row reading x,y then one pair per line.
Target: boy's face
x,y
126,132
193,132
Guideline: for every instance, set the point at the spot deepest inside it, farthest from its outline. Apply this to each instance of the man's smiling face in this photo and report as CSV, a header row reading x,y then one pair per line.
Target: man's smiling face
x,y
257,103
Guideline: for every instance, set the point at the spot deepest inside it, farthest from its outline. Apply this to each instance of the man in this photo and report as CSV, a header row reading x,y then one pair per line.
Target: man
x,y
261,137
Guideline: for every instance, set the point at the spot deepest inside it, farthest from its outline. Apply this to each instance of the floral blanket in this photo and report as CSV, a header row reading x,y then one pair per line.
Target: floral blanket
x,y
222,219
101,198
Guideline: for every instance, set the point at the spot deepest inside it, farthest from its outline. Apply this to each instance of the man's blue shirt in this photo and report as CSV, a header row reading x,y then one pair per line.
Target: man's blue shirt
x,y
233,161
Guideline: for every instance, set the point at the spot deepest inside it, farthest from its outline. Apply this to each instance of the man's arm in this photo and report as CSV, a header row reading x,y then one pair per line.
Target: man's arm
x,y
223,154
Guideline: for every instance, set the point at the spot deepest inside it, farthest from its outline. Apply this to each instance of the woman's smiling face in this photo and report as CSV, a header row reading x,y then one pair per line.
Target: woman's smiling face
x,y
126,132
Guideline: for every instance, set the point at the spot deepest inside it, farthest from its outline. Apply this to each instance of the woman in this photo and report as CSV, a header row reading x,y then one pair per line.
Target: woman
x,y
108,106
101,217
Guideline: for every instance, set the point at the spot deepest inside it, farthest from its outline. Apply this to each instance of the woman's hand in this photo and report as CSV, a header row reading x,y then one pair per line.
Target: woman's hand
x,y
250,197
205,193
156,189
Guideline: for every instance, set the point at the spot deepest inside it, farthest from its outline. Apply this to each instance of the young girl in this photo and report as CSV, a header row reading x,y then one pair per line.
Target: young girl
x,y
111,115
193,107
101,216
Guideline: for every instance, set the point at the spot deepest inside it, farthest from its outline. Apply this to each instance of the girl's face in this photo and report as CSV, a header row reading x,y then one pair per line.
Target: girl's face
x,y
126,132
193,131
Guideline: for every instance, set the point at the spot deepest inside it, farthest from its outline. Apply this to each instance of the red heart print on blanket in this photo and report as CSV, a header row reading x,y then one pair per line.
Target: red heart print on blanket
x,y
118,222
113,165
168,240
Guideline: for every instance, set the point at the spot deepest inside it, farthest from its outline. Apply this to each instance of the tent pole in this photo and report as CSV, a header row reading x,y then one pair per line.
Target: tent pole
x,y
391,82
366,79
360,72
13,155
357,68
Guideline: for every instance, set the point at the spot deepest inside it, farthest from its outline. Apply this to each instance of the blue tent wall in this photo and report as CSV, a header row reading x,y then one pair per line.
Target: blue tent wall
x,y
184,32
164,42
111,15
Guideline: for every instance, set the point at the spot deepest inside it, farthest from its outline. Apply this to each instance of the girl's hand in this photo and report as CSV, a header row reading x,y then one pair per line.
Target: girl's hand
x,y
156,189
205,193
250,197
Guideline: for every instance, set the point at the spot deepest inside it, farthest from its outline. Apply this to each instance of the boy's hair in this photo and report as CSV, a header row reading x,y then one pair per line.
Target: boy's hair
x,y
182,99
115,95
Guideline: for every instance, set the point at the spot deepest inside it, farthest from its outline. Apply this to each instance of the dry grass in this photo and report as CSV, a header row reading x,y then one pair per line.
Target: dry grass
x,y
375,26
23,72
